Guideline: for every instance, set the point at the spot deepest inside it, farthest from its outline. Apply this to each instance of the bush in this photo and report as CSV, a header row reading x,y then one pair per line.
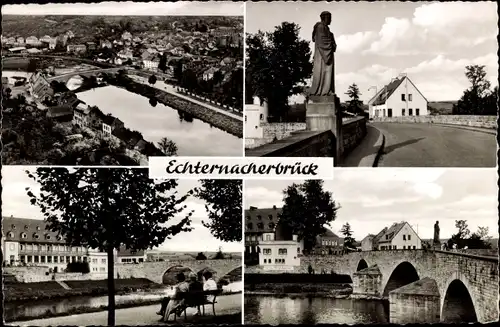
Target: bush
x,y
80,267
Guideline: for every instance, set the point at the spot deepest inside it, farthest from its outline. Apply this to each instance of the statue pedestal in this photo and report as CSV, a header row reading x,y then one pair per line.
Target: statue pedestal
x,y
436,246
322,115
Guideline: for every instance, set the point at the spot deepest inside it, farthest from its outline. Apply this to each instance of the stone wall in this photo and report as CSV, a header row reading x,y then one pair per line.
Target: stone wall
x,y
489,122
36,274
299,144
413,308
272,131
353,132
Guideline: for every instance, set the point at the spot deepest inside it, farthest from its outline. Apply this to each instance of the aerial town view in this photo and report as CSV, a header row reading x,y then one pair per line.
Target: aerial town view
x,y
400,246
59,269
113,90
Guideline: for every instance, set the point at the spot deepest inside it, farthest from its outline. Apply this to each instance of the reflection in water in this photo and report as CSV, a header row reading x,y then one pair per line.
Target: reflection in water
x,y
286,310
192,136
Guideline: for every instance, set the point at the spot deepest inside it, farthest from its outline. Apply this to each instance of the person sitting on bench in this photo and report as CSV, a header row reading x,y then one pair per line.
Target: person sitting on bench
x,y
169,302
194,296
209,285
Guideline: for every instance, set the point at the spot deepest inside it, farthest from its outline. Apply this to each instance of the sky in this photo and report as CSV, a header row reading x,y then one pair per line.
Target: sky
x,y
15,202
371,199
225,8
430,41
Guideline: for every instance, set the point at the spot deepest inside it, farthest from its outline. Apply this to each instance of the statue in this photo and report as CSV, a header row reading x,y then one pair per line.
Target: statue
x,y
436,233
323,79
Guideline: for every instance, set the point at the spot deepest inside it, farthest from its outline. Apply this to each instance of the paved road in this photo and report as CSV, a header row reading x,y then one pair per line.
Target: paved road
x,y
146,315
431,145
171,89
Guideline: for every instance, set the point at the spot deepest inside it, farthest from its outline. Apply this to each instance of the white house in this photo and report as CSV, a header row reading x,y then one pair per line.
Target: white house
x,y
255,115
399,236
399,98
280,255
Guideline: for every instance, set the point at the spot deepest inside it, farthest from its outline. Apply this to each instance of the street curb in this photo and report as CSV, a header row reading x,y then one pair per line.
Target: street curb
x,y
380,150
469,128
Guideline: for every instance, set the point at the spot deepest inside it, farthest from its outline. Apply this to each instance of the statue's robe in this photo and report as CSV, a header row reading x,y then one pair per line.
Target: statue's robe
x,y
323,79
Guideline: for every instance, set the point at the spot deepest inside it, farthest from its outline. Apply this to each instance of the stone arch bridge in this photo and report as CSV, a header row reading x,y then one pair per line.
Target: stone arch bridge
x,y
84,73
154,271
423,286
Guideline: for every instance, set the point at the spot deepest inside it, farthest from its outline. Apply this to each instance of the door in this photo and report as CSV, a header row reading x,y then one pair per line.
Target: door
x,y
389,112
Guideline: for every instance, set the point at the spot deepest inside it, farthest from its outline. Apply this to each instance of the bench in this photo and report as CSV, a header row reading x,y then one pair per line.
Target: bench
x,y
197,300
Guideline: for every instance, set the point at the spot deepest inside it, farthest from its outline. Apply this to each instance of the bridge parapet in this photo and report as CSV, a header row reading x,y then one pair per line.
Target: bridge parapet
x,y
488,122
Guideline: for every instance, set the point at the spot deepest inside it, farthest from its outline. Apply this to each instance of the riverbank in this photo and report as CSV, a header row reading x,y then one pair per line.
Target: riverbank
x,y
20,292
84,310
223,122
331,290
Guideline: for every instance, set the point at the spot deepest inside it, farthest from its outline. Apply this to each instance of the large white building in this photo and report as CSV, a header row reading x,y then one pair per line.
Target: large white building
x,y
255,115
399,98
399,236
29,242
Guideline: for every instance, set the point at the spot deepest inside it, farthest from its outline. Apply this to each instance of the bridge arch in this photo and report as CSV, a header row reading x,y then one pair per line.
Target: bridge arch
x,y
235,273
404,274
458,304
169,276
362,265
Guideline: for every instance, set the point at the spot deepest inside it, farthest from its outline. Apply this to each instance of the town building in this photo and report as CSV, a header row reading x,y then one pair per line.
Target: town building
x,y
33,41
150,61
106,44
46,39
40,87
110,123
28,242
329,243
125,255
18,50
81,115
255,116
269,242
399,98
399,236
76,48
20,40
209,73
53,44
61,114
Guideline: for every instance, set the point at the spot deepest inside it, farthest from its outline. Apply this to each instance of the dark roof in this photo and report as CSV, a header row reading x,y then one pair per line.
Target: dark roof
x,y
261,220
329,233
123,252
59,111
31,228
109,120
382,96
390,232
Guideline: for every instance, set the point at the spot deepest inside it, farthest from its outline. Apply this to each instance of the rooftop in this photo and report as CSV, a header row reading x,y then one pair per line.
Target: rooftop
x,y
261,220
384,94
28,230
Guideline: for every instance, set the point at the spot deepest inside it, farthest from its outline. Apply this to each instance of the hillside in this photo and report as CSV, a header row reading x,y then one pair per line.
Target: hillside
x,y
86,27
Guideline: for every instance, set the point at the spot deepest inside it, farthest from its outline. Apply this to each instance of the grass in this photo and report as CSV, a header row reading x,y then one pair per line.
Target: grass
x,y
15,292
295,288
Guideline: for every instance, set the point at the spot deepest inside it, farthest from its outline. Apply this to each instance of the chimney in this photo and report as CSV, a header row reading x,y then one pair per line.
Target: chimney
x,y
253,208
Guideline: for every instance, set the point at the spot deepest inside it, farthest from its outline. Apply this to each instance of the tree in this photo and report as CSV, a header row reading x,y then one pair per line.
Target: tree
x,y
479,239
223,204
163,63
348,239
152,80
189,80
477,100
168,147
355,105
278,62
106,209
307,208
460,238
201,256
220,255
153,102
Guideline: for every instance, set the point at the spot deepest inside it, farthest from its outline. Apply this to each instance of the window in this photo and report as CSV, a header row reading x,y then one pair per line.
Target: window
x,y
282,251
36,236
271,225
259,217
55,259
409,237
249,225
13,226
414,247
10,234
265,260
266,251
417,112
410,112
404,247
42,259
410,98
270,217
394,247
248,217
402,112
403,98
261,117
37,227
103,260
26,227
298,250
47,236
404,237
245,118
22,247
383,113
386,237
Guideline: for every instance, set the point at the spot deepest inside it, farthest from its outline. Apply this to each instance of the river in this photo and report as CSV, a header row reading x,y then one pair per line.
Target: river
x,y
192,136
274,310
34,309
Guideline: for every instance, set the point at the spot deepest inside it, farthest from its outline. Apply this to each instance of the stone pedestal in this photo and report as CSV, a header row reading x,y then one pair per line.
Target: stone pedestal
x,y
436,245
322,115
367,282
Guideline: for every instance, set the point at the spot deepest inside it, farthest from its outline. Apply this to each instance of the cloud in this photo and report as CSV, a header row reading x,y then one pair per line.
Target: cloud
x,y
349,43
394,31
262,197
442,64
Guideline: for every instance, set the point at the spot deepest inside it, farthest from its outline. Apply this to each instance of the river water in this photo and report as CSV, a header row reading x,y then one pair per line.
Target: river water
x,y
34,309
192,136
275,310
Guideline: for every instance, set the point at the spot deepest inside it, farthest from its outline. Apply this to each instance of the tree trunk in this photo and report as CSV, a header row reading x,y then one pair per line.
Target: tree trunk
x,y
111,287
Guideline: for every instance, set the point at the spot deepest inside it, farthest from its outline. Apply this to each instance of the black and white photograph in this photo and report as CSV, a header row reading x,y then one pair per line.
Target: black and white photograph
x,y
395,246
106,247
372,84
113,83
